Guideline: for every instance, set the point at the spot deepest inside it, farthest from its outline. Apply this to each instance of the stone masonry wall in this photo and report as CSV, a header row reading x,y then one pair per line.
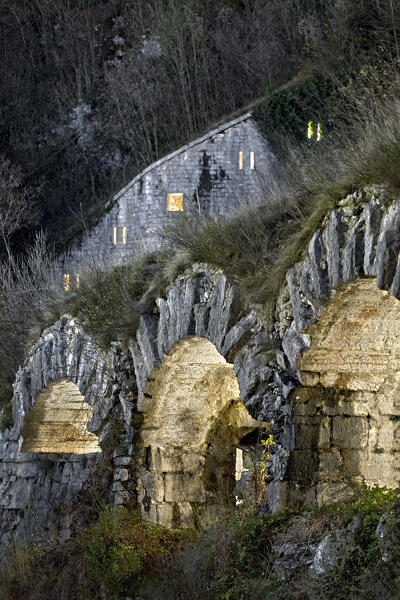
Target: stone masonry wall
x,y
33,487
343,363
359,239
206,172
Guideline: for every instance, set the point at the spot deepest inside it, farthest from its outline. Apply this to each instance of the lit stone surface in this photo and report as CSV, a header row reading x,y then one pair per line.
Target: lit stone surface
x,y
345,418
58,420
193,419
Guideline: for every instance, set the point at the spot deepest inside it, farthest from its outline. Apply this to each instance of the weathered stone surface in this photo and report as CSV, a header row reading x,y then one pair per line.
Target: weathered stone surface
x,y
353,428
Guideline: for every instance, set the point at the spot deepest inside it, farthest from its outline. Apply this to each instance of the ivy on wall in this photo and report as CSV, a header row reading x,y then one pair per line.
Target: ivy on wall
x,y
288,112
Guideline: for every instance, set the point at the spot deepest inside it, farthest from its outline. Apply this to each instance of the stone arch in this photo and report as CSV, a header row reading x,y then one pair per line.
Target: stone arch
x,y
346,417
193,420
36,481
57,422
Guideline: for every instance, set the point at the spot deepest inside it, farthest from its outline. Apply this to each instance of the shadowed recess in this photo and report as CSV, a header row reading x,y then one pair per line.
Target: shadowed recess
x,y
58,422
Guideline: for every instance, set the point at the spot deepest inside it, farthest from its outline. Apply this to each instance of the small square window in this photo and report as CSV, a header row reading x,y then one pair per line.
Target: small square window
x,y
175,202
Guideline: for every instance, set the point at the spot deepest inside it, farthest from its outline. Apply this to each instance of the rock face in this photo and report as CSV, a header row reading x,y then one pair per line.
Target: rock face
x,y
202,305
211,175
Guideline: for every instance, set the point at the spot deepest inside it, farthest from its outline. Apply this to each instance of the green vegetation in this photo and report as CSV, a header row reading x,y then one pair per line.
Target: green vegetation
x,y
285,113
111,555
109,304
246,555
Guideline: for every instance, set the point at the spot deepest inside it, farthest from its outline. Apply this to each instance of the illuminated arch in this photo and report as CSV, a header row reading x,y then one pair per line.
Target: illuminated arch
x,y
57,422
193,420
347,414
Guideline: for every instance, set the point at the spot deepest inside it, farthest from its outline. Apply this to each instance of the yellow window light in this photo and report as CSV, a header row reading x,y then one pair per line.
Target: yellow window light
x,y
310,131
251,160
124,236
66,282
240,160
319,132
115,236
77,280
175,202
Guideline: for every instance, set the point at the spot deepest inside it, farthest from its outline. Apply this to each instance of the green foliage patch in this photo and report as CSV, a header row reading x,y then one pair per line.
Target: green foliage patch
x,y
286,112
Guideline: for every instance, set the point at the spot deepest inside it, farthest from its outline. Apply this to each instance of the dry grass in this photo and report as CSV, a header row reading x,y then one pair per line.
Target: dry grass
x,y
259,245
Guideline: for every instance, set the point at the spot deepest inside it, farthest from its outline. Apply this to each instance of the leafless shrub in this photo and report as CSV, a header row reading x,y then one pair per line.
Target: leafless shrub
x,y
18,206
31,291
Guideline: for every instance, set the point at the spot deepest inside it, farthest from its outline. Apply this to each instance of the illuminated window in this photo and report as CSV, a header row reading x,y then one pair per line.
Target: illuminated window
x,y
175,202
77,280
310,131
124,236
240,160
115,236
251,160
66,282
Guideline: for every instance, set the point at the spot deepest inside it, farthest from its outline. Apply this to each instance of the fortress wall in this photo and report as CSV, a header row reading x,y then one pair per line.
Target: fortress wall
x,y
208,175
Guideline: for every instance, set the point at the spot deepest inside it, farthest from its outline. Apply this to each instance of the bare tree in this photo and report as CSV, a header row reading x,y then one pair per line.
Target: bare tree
x,y
18,206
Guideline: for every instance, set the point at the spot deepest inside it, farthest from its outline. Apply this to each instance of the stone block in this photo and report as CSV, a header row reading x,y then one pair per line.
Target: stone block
x,y
312,432
350,432
353,461
181,487
121,498
330,466
386,430
303,466
183,515
153,485
117,486
359,404
121,474
378,469
164,514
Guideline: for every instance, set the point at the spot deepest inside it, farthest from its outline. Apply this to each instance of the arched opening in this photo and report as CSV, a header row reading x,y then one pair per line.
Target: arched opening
x,y
347,414
58,422
193,421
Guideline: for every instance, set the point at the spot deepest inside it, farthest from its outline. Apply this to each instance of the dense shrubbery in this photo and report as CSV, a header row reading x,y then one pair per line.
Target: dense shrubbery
x,y
105,558
240,557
